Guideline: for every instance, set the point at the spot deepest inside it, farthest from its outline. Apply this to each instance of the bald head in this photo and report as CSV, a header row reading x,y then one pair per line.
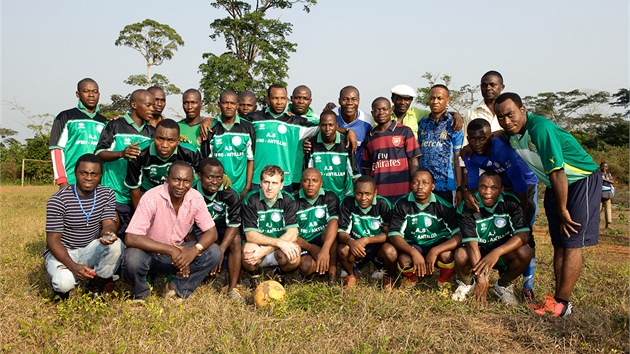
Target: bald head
x,y
347,90
142,104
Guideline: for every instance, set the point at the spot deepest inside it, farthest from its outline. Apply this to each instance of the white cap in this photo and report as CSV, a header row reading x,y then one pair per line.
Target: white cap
x,y
404,91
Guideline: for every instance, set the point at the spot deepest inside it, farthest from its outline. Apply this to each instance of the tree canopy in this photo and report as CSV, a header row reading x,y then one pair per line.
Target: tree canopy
x,y
257,48
461,98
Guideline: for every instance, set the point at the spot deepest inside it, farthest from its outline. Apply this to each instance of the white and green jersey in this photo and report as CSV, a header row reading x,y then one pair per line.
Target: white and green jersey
x,y
299,153
277,141
117,135
546,147
75,132
423,224
269,219
492,226
358,222
338,165
313,216
233,146
224,206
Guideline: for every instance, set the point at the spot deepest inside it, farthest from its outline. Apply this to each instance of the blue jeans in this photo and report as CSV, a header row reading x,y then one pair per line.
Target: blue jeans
x,y
138,263
105,260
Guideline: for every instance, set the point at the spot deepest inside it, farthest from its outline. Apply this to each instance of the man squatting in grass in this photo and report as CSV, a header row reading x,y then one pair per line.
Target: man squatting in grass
x,y
363,226
156,233
390,153
317,217
331,155
81,242
424,229
118,143
572,197
495,154
75,132
224,206
270,225
496,237
149,168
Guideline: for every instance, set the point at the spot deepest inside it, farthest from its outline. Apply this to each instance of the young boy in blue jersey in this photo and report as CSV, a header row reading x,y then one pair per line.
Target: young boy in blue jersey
x,y
494,154
495,237
363,227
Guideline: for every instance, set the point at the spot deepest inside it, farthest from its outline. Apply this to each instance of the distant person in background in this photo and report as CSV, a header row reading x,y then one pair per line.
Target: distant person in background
x,y
246,103
75,132
608,192
81,242
403,113
119,143
160,104
191,125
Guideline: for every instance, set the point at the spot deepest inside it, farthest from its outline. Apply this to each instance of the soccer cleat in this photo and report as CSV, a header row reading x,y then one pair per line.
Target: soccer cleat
x,y
235,295
528,296
408,283
170,294
546,299
462,291
349,282
555,308
506,294
388,283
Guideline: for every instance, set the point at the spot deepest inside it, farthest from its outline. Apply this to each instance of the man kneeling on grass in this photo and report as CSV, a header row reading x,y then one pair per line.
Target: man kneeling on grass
x,y
155,237
270,224
363,227
81,242
424,229
317,218
495,237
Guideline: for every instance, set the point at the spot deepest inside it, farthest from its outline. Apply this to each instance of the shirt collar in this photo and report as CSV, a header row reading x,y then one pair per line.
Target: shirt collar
x,y
207,196
128,119
274,115
81,107
309,114
391,127
491,208
337,138
153,151
219,119
312,202
412,198
270,204
366,210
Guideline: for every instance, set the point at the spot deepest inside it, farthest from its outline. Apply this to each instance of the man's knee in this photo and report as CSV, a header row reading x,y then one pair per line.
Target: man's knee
x,y
307,265
114,251
63,280
404,260
135,260
388,252
211,256
461,256
343,251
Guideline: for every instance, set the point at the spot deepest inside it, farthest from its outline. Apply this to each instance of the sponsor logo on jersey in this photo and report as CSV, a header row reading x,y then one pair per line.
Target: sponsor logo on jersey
x,y
81,126
320,213
153,170
375,224
127,141
275,216
318,158
443,135
336,160
218,141
217,207
427,221
500,222
282,128
236,140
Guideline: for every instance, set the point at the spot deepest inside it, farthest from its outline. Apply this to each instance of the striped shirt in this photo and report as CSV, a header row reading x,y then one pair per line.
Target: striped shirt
x,y
64,215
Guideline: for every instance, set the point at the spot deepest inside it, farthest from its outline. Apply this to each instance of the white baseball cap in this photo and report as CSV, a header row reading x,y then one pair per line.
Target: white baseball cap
x,y
404,91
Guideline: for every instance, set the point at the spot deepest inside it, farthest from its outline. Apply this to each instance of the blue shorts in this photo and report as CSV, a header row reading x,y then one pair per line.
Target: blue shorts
x,y
583,200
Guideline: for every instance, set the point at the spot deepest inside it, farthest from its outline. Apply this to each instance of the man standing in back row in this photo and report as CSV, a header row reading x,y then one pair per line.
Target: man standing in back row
x,y
572,196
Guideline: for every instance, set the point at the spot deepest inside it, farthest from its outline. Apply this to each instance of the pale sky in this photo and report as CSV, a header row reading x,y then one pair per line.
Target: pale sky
x,y
538,46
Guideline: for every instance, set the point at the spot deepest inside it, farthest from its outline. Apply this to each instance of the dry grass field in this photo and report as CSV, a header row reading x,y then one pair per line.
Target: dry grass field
x,y
314,318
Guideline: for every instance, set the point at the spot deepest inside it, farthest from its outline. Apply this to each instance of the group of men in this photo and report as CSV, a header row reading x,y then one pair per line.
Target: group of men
x,y
283,187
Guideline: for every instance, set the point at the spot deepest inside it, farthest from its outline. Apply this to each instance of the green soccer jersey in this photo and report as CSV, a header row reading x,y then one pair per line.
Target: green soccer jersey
x,y
299,153
277,141
233,146
492,226
224,206
423,224
546,147
338,165
117,135
358,222
313,216
271,219
75,132
190,133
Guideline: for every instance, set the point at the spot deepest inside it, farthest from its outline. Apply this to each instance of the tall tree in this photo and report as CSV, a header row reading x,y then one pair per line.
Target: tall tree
x,y
257,48
461,98
622,99
156,42
561,105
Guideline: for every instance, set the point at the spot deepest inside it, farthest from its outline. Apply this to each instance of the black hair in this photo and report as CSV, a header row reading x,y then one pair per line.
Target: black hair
x,y
493,73
275,86
191,90
448,93
227,93
365,179
327,112
210,161
478,124
349,87
91,158
423,170
179,163
509,96
492,174
86,80
168,124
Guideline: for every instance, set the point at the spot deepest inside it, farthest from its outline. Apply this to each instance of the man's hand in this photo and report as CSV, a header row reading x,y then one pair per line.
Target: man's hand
x,y
458,122
351,137
330,106
430,261
306,146
357,247
323,261
290,249
466,152
131,151
567,225
471,201
217,269
82,272
481,290
485,264
185,272
244,193
252,256
108,238
206,126
459,196
418,263
185,257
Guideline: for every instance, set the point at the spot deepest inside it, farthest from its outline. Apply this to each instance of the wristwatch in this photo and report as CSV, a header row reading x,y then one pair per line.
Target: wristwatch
x,y
199,248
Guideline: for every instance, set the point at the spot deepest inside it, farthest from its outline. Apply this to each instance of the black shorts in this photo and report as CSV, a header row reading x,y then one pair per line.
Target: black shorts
x,y
125,212
370,255
317,241
424,250
583,201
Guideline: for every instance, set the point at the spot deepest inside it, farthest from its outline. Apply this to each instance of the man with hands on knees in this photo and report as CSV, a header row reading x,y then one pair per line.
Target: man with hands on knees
x,y
270,225
155,237
424,229
495,237
81,232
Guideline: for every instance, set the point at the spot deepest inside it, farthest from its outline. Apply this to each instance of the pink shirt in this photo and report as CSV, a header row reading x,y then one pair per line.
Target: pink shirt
x,y
156,218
